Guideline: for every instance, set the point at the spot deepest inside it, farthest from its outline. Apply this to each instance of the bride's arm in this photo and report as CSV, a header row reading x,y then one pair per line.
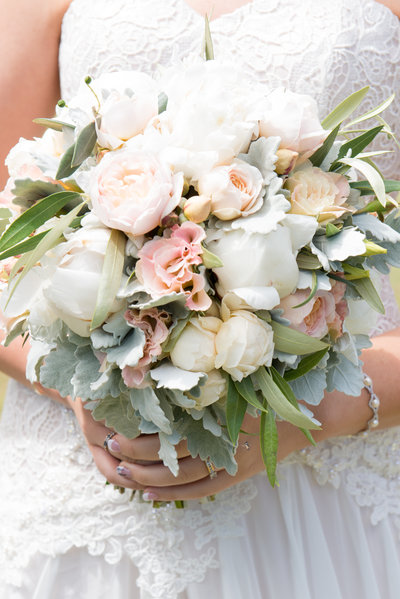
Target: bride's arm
x,y
29,86
394,6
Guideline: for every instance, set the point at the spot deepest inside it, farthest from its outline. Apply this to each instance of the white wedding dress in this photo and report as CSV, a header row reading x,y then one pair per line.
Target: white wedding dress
x,y
331,529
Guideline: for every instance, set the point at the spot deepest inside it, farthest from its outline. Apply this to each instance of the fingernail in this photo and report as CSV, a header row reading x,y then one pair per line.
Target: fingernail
x,y
113,445
148,496
122,471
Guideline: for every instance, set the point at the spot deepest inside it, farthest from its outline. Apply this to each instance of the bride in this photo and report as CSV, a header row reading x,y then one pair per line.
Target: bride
x,y
331,529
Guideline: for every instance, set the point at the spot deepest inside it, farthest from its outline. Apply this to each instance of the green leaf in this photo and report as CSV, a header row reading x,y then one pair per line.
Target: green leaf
x,y
280,403
27,192
246,389
209,259
366,289
357,144
313,291
308,261
371,174
319,156
293,342
53,124
23,247
84,145
344,109
209,48
162,102
51,239
269,443
374,112
235,410
366,188
119,415
35,217
64,168
305,365
58,369
332,230
110,277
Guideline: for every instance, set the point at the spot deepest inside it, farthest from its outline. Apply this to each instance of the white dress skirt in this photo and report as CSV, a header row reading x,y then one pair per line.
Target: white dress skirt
x,y
331,529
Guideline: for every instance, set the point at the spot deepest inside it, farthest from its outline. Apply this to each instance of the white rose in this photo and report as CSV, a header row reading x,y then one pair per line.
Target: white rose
x,y
235,190
294,118
213,389
244,343
77,265
256,260
195,348
209,118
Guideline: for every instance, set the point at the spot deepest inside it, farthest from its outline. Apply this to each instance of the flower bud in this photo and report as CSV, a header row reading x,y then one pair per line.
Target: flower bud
x,y
197,208
286,161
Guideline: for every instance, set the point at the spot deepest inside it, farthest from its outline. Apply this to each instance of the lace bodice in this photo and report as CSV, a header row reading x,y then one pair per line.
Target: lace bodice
x,y
59,500
324,48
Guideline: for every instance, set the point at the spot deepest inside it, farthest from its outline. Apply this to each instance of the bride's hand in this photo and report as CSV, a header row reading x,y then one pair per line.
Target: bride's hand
x,y
143,449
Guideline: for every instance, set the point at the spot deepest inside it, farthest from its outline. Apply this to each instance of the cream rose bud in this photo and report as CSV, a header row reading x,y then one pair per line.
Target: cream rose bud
x,y
294,118
213,390
256,260
235,190
317,193
195,348
197,208
244,343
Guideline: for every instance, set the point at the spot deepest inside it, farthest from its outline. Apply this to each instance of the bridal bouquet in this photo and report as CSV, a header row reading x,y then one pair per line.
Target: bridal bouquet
x,y
183,251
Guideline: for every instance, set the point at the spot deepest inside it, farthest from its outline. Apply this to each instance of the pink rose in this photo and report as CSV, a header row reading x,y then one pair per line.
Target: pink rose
x,y
153,323
323,314
133,191
166,265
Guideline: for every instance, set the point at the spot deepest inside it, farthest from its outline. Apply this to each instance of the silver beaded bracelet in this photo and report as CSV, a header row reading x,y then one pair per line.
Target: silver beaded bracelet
x,y
373,403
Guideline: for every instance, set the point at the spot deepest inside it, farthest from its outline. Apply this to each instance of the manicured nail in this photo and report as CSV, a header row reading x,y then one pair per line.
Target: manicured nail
x,y
122,471
113,445
149,496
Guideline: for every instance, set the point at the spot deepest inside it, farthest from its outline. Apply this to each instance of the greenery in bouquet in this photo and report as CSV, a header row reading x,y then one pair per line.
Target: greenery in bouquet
x,y
185,250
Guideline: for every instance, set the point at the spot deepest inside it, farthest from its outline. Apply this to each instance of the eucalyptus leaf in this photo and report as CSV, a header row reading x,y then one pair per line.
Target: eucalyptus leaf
x,y
209,48
366,289
366,188
269,443
235,410
23,247
110,277
84,145
372,113
35,217
344,109
246,389
64,168
357,144
280,403
162,102
305,365
53,124
371,174
319,156
289,341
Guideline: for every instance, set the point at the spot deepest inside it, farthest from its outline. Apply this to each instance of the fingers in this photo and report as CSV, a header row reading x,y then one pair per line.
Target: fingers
x,y
107,465
144,448
196,490
190,470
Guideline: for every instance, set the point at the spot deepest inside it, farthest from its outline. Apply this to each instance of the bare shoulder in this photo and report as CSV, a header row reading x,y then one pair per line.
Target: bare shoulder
x,y
29,84
394,6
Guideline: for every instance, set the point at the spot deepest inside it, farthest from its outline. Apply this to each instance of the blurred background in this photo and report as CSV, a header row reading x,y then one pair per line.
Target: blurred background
x,y
394,275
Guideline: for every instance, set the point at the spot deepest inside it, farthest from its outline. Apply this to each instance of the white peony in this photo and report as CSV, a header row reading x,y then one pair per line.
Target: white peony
x,y
72,287
195,348
244,343
209,119
256,260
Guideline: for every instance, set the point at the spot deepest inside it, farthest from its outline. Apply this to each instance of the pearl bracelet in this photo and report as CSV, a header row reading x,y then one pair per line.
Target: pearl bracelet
x,y
373,403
